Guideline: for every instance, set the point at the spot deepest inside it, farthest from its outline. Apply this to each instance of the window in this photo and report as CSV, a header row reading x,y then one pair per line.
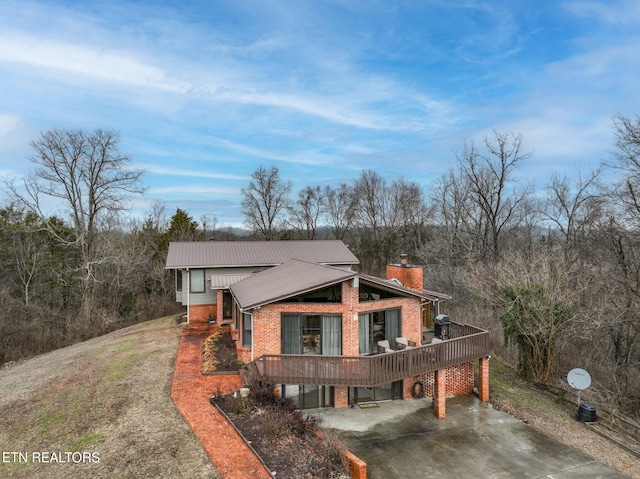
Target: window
x,y
377,326
312,334
247,329
227,305
178,280
372,293
197,280
332,294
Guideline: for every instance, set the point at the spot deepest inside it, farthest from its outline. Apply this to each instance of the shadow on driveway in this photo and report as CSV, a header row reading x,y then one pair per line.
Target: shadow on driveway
x,y
403,439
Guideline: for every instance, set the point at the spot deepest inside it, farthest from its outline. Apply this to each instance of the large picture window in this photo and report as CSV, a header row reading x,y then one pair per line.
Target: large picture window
x,y
197,280
312,334
377,326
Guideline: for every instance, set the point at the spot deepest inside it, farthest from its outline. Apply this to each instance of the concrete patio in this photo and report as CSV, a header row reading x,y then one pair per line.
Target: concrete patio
x,y
404,439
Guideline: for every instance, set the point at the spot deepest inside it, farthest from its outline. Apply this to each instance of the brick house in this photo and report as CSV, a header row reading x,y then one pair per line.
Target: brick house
x,y
325,334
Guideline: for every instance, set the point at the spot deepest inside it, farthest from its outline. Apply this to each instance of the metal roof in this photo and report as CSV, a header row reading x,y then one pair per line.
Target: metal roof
x,y
223,281
297,277
227,254
284,281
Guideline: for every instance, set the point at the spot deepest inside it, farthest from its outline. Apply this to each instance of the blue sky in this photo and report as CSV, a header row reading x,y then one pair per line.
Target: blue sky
x,y
203,92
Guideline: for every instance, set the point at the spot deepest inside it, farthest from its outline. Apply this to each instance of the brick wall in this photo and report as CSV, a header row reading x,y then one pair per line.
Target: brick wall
x,y
267,328
199,313
409,275
459,380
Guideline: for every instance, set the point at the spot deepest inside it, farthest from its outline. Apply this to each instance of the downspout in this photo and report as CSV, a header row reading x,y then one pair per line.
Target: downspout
x,y
188,298
252,327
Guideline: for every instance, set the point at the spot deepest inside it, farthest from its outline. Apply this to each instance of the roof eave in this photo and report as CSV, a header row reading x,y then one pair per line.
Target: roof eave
x,y
296,293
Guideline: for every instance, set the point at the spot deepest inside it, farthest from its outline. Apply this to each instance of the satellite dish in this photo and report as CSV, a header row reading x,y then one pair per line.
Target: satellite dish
x,y
579,379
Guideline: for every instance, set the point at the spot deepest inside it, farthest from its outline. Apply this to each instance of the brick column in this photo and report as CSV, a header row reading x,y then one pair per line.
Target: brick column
x,y
439,407
483,380
340,397
219,315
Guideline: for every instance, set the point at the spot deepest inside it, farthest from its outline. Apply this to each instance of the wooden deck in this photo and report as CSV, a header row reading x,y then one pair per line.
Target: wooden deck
x,y
466,343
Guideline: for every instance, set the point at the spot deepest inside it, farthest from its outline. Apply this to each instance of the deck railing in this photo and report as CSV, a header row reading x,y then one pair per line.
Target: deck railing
x,y
466,343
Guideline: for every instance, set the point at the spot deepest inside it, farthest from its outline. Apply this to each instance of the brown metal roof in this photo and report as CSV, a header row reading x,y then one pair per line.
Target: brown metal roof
x,y
227,254
289,279
223,281
297,277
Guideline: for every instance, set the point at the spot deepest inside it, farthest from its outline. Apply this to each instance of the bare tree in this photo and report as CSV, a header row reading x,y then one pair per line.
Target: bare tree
x,y
305,212
410,214
456,214
488,175
265,200
84,174
373,208
209,226
339,209
627,160
391,217
573,205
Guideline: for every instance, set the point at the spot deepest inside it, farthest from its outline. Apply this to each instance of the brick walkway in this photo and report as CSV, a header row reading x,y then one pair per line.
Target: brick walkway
x,y
190,392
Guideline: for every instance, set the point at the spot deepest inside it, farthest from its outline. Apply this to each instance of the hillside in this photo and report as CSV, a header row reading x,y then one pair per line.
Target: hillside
x,y
107,398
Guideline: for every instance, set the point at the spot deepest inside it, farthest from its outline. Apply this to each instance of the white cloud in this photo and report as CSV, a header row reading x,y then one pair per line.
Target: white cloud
x,y
89,62
9,124
621,12
168,171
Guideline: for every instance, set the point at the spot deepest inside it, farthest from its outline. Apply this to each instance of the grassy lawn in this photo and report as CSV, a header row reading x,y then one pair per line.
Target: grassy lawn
x,y
99,409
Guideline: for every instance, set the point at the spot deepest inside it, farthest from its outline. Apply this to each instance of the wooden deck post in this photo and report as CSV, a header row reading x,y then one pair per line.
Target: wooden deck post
x,y
440,393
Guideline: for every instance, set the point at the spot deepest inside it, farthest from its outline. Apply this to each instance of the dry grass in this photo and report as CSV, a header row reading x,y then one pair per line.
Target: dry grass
x,y
219,352
108,396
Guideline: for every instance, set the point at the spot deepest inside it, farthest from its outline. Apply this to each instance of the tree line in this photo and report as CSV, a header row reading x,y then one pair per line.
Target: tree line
x,y
553,270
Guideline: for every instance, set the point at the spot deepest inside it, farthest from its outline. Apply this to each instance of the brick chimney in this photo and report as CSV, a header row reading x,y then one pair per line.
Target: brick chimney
x,y
410,275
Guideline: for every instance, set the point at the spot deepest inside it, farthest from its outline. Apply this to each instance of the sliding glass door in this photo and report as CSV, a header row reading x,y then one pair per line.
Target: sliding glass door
x,y
308,396
384,392
377,326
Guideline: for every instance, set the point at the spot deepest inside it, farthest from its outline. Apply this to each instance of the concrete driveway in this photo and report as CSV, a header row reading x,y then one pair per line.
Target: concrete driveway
x,y
403,439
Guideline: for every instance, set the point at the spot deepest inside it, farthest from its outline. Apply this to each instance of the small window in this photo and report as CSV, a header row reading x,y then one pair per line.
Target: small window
x,y
247,328
227,305
197,281
178,280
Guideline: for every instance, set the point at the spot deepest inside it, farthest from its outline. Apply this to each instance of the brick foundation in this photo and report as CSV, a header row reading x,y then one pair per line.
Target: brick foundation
x,y
199,313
